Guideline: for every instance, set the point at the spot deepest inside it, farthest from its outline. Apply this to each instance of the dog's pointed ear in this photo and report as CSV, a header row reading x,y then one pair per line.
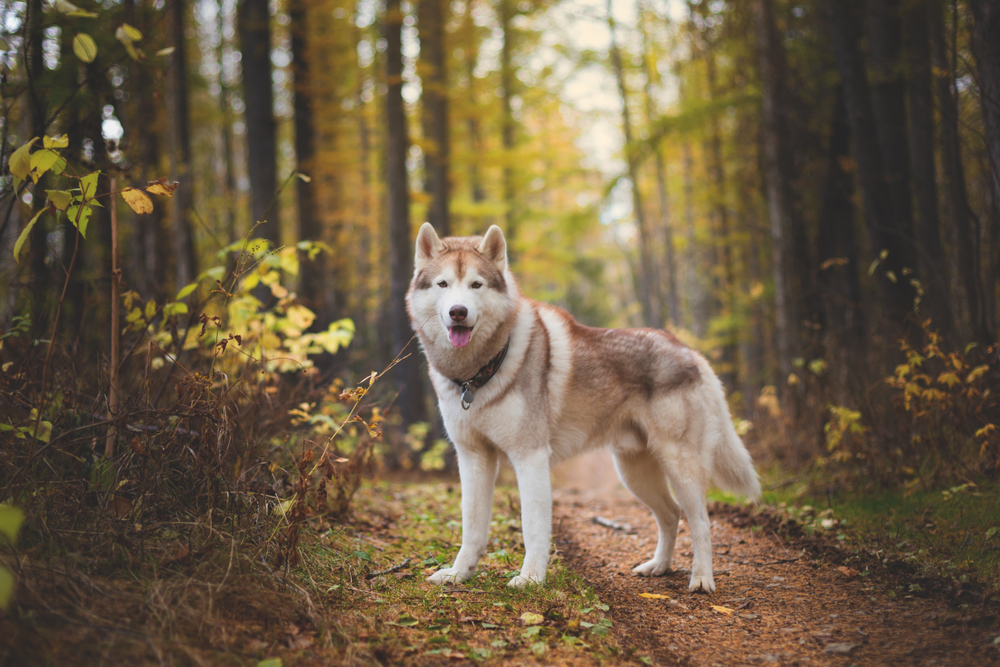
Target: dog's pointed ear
x,y
494,247
428,246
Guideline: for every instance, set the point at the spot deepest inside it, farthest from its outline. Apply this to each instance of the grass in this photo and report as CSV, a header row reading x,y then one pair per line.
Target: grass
x,y
399,617
951,533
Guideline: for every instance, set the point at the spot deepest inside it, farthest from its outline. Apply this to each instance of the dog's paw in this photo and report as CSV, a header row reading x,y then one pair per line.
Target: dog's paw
x,y
448,575
520,581
652,568
703,582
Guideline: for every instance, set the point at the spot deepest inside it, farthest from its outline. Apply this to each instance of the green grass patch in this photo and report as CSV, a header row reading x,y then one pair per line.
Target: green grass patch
x,y
399,617
952,532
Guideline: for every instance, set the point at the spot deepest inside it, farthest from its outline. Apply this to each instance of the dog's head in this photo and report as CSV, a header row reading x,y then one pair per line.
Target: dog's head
x,y
461,291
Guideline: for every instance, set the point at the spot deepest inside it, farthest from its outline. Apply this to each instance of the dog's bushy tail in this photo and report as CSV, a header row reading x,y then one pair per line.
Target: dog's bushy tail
x,y
732,467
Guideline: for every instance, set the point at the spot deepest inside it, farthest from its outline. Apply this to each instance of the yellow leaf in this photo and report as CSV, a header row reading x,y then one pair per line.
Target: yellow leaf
x,y
85,47
131,32
20,160
137,200
165,52
654,596
162,187
986,430
56,142
25,233
723,610
59,198
976,373
949,379
531,618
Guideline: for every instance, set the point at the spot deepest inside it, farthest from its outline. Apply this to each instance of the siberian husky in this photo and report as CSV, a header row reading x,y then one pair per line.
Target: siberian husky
x,y
524,378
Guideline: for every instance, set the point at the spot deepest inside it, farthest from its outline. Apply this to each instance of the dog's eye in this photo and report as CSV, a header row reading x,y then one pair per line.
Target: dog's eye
x,y
442,284
476,285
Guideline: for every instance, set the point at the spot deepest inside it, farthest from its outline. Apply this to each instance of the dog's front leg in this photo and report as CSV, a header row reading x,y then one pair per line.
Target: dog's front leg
x,y
535,488
477,468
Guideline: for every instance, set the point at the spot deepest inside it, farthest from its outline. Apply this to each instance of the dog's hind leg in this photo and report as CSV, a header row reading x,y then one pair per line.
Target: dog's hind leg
x,y
641,473
691,497
477,468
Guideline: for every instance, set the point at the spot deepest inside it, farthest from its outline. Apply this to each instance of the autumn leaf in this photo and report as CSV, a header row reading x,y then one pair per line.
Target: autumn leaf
x,y
723,610
60,198
56,142
20,160
137,200
162,187
25,233
85,47
531,618
847,571
654,596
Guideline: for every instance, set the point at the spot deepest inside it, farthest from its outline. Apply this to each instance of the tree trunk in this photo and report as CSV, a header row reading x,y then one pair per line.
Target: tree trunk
x,y
884,231
431,18
888,94
649,283
930,250
986,48
229,182
255,38
507,127
840,287
697,317
666,226
408,382
37,101
310,227
954,176
180,151
778,180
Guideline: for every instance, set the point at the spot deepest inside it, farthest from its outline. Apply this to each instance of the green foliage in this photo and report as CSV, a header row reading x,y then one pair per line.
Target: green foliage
x,y
11,519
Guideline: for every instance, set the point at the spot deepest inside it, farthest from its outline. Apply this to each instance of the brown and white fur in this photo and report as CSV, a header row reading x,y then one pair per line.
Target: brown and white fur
x,y
564,388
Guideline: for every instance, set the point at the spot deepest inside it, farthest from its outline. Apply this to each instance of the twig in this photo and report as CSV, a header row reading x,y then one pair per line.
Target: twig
x,y
394,568
115,389
614,525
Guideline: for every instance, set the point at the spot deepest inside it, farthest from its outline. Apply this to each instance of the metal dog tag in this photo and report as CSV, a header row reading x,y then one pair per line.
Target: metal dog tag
x,y
467,395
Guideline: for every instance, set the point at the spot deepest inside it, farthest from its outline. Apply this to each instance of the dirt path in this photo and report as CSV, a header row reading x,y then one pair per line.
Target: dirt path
x,y
788,607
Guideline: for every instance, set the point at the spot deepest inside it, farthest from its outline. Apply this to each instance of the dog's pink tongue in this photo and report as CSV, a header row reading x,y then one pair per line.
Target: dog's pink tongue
x,y
460,335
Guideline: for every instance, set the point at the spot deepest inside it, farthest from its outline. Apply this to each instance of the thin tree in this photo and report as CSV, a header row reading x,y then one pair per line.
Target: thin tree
x,y
778,177
180,150
254,17
649,283
956,197
431,18
408,383
506,13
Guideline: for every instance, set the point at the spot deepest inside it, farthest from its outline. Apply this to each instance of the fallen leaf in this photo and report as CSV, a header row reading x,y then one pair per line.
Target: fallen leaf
x,y
840,647
654,596
531,618
723,610
847,571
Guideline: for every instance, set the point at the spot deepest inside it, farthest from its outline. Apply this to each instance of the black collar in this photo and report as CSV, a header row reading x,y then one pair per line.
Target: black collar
x,y
470,386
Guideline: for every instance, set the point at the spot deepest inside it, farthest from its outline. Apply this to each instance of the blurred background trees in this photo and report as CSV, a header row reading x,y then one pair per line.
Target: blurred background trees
x,y
792,187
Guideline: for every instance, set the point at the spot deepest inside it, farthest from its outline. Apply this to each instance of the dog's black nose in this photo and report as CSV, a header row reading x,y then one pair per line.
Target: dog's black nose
x,y
458,313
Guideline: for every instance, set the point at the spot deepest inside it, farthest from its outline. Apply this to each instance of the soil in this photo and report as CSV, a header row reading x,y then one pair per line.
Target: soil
x,y
780,598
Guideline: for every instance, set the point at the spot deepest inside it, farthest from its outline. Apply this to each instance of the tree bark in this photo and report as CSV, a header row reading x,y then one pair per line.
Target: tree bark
x,y
408,382
666,225
431,18
507,127
986,49
310,227
839,283
255,37
883,229
649,283
954,176
888,94
930,250
778,179
180,151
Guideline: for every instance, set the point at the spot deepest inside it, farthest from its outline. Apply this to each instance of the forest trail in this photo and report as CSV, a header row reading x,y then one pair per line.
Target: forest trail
x,y
782,603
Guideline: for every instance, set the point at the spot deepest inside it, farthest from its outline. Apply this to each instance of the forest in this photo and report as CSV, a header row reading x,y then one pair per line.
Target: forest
x,y
207,221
